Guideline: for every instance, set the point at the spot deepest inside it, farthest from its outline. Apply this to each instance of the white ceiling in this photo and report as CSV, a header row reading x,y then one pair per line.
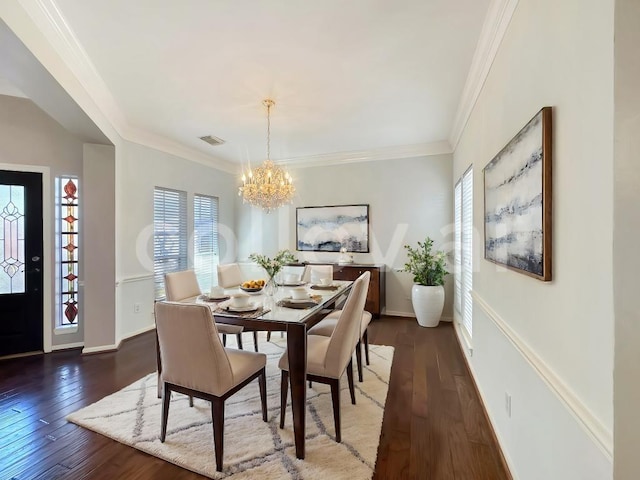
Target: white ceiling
x,y
346,76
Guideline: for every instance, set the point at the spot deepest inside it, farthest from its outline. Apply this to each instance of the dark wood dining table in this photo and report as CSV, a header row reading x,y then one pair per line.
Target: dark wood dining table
x,y
295,322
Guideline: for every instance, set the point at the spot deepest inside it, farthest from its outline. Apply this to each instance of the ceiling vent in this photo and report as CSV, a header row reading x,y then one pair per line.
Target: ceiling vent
x,y
211,140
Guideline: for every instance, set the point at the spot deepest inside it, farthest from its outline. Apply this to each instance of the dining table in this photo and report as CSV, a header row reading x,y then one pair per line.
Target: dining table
x,y
273,316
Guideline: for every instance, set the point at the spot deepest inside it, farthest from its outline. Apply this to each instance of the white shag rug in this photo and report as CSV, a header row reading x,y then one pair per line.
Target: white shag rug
x,y
253,448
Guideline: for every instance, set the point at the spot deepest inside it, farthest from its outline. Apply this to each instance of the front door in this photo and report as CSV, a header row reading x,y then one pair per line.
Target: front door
x,y
20,262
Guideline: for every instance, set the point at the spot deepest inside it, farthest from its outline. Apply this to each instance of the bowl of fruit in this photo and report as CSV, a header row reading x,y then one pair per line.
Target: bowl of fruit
x,y
252,286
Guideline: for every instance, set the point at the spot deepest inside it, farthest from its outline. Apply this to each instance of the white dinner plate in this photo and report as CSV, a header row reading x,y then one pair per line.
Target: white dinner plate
x,y
248,308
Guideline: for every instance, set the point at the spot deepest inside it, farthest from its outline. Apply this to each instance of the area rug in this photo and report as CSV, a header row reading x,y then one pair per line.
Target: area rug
x,y
253,448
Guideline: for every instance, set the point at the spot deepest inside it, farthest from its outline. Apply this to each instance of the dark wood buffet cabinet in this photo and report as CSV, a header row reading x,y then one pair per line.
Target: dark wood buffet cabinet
x,y
377,285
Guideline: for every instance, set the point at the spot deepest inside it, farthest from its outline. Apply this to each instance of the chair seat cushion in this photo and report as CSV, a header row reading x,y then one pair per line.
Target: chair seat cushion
x,y
229,329
317,346
244,364
326,326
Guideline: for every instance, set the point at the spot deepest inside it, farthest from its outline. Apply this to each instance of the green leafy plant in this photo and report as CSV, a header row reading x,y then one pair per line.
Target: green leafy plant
x,y
273,265
427,267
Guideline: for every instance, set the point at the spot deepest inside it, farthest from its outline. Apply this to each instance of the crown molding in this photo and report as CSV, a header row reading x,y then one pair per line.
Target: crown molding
x,y
171,147
493,30
385,153
52,25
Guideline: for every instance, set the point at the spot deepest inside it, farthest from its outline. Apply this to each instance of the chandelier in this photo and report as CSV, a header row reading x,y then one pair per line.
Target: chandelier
x,y
267,186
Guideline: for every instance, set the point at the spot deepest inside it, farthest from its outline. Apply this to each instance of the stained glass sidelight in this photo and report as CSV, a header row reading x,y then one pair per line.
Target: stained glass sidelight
x,y
12,276
68,251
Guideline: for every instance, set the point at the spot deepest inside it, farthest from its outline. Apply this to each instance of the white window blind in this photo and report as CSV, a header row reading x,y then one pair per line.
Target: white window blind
x,y
205,239
457,255
169,235
467,249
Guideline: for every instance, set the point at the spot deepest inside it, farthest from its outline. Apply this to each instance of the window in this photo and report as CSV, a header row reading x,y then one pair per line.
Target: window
x,y
205,239
169,235
67,252
463,264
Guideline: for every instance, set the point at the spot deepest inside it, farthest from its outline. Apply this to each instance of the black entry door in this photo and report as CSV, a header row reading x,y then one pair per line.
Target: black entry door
x,y
20,262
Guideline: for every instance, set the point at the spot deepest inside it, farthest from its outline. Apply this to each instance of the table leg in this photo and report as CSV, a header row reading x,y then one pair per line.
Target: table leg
x,y
297,348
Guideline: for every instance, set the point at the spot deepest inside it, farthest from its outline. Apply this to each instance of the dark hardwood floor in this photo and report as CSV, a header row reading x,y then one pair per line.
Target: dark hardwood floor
x,y
434,425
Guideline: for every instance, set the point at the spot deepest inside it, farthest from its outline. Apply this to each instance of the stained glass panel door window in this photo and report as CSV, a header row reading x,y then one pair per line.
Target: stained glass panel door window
x,y
12,275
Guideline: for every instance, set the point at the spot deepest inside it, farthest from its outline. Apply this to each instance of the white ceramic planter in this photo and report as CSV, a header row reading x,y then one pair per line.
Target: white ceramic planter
x,y
428,303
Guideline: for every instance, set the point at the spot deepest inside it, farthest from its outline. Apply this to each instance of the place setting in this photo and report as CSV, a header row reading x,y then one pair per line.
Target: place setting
x,y
324,284
216,295
240,304
300,299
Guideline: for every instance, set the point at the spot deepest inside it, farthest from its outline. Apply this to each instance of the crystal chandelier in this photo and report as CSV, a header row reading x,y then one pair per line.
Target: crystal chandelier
x,y
267,186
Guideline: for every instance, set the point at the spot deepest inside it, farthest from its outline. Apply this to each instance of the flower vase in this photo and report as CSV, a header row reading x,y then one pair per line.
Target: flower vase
x,y
271,287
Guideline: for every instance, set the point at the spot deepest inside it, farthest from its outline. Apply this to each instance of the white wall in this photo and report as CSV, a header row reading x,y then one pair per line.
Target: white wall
x,y
28,136
558,54
626,261
408,200
139,170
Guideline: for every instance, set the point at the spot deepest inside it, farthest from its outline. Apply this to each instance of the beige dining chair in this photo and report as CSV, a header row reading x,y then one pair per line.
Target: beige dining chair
x,y
313,273
230,276
329,357
195,363
183,287
328,324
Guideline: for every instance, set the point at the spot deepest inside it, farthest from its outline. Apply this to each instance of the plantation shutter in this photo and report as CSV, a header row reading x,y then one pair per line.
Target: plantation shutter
x,y
467,250
457,255
205,240
169,235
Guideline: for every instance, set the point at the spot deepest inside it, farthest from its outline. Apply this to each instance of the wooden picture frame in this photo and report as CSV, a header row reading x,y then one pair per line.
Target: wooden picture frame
x,y
517,201
330,228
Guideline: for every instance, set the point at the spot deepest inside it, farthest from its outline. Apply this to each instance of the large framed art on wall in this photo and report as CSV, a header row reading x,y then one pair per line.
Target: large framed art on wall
x,y
330,228
517,201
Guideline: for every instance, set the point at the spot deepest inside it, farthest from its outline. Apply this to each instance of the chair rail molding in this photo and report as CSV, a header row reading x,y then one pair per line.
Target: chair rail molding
x,y
602,436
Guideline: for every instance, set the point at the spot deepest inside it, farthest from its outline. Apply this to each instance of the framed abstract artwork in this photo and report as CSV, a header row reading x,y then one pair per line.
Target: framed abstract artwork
x,y
328,229
517,201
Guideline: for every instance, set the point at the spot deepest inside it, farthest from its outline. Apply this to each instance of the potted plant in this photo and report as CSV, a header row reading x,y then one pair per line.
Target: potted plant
x,y
428,270
272,266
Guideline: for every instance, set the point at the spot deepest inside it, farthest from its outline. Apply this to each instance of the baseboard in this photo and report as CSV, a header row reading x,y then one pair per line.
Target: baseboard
x,y
67,346
494,436
100,349
140,331
393,313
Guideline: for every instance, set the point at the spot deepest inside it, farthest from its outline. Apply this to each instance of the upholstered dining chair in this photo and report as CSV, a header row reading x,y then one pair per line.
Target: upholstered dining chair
x,y
183,287
328,324
329,357
195,363
313,273
230,276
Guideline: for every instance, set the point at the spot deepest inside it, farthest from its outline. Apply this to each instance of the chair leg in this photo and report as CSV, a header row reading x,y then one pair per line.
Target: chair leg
x,y
166,399
190,400
262,383
350,381
359,359
217,413
224,340
239,335
335,399
268,336
284,388
255,341
365,337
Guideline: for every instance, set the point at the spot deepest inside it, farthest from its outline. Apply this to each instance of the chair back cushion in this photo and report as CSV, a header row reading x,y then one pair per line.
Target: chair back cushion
x,y
347,332
229,275
190,350
313,273
181,285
